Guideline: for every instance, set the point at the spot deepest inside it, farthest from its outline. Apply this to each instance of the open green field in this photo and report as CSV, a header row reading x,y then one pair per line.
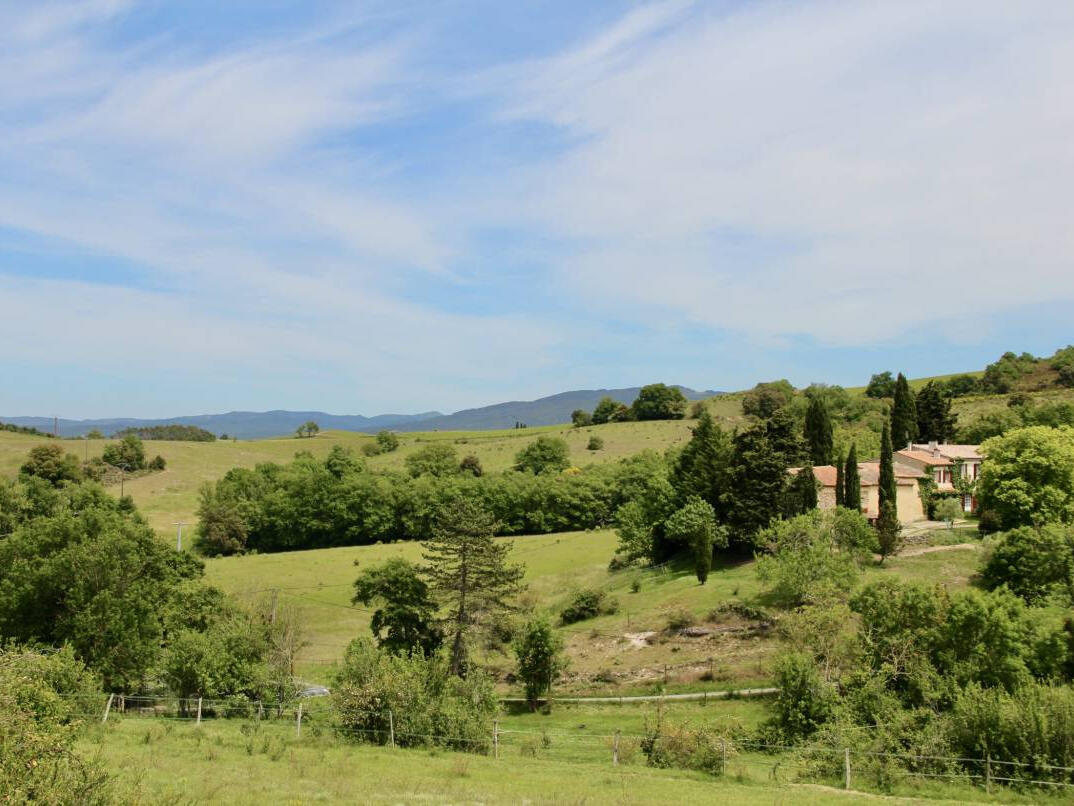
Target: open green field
x,y
160,761
622,653
172,495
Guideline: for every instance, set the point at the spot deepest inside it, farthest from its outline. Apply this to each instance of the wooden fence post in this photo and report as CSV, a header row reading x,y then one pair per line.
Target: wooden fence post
x,y
391,728
846,768
260,711
615,748
495,738
107,707
199,713
988,773
298,722
723,756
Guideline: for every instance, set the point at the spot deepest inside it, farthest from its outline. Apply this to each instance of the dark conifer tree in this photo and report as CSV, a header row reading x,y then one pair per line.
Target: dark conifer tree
x,y
852,481
801,493
840,489
934,418
756,481
701,468
818,432
784,437
887,525
903,414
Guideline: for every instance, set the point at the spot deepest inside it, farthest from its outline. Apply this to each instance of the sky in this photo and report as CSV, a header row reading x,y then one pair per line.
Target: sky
x,y
397,206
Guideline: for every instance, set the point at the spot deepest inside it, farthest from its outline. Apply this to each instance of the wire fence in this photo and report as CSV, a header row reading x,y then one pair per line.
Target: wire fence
x,y
849,766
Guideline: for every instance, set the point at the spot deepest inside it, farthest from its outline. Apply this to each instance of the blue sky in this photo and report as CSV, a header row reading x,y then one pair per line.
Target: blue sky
x,y
398,206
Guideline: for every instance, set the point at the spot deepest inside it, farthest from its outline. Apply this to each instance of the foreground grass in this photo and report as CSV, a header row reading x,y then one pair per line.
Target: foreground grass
x,y
158,762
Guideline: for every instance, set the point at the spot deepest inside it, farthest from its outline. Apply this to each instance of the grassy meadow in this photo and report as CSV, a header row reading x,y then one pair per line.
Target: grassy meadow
x,y
228,762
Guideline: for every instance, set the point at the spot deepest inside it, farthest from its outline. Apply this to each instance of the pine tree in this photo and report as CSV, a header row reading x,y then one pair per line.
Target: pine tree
x,y
889,532
818,432
903,414
800,496
755,483
840,490
467,572
784,437
852,481
701,468
934,418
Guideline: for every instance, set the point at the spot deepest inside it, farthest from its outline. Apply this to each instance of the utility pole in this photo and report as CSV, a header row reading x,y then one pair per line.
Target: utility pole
x,y
179,535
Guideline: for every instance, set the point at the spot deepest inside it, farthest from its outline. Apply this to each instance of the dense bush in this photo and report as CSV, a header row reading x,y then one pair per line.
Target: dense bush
x,y
805,701
428,705
595,444
387,441
436,459
41,699
128,453
688,748
49,462
1032,562
658,401
544,455
588,604
1029,476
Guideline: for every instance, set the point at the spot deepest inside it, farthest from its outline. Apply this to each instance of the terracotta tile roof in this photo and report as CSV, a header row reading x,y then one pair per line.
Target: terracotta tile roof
x,y
868,471
925,457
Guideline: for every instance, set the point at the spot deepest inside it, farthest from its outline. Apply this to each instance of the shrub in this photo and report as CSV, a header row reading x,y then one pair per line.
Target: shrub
x,y
128,453
686,748
387,441
50,463
428,705
437,459
595,444
588,604
157,463
472,465
371,449
539,651
680,619
1031,562
805,701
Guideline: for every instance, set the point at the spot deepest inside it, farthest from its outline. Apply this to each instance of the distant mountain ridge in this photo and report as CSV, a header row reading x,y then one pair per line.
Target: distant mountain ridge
x,y
549,410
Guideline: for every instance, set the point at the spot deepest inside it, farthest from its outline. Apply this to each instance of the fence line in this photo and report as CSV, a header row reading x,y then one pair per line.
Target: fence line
x,y
279,712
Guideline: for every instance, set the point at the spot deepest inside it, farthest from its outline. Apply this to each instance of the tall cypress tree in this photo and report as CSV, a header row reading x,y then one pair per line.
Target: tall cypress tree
x,y
889,532
818,432
755,484
801,493
840,490
934,418
903,414
852,481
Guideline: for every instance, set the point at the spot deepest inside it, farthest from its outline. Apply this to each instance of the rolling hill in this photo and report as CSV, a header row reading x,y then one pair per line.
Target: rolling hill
x,y
550,410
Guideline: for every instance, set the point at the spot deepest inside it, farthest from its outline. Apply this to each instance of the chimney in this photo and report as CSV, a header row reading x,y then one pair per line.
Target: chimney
x,y
934,447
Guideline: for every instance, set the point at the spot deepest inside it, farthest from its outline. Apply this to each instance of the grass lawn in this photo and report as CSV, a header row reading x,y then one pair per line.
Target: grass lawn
x,y
157,761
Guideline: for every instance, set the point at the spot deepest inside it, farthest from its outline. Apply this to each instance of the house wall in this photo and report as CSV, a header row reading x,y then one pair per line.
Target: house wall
x,y
907,501
826,498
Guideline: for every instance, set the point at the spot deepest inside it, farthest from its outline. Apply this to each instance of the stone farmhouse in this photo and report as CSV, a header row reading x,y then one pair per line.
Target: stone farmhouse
x,y
943,463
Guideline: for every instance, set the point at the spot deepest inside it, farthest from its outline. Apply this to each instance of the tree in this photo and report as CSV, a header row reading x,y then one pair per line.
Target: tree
x,y
755,483
406,614
387,441
94,433
935,422
50,463
98,579
785,437
948,510
1032,562
539,652
695,526
221,527
903,414
581,418
128,453
880,385
766,398
840,482
702,466
468,573
609,410
595,443
816,556
889,532
800,495
1028,479
436,459
307,429
471,465
818,432
658,401
544,455
852,481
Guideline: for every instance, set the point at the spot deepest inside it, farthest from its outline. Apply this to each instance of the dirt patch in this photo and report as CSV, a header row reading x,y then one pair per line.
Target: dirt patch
x,y
640,640
915,552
